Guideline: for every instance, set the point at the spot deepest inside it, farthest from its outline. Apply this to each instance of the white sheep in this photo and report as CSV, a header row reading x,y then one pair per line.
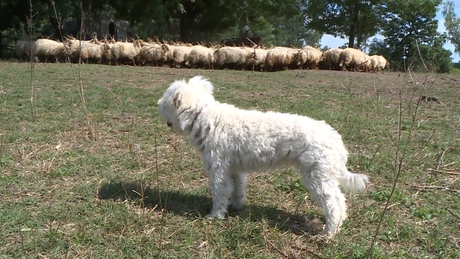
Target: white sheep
x,y
378,63
234,57
309,57
200,56
127,51
19,49
180,55
153,53
354,59
75,46
108,57
48,50
280,58
258,62
332,58
169,54
28,48
22,49
94,52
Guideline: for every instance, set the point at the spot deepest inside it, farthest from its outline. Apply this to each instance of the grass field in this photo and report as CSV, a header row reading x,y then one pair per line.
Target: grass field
x,y
105,178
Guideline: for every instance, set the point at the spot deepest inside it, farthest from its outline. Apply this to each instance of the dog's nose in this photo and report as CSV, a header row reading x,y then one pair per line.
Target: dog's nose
x,y
169,124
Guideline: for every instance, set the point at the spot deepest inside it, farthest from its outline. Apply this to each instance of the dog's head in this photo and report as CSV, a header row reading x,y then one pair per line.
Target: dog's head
x,y
183,100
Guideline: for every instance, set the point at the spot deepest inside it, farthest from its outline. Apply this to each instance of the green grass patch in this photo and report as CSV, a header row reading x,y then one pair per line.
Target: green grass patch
x,y
116,183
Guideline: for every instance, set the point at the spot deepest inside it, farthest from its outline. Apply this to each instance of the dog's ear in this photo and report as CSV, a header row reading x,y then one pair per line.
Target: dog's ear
x,y
177,100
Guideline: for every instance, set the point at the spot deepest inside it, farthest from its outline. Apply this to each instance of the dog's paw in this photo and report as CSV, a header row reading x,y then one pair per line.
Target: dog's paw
x,y
214,216
325,236
237,206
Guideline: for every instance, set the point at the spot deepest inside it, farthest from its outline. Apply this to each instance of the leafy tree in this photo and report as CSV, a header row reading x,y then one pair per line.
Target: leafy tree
x,y
292,30
452,23
379,47
14,13
411,39
83,11
44,17
278,23
21,20
14,16
353,19
192,16
285,23
457,65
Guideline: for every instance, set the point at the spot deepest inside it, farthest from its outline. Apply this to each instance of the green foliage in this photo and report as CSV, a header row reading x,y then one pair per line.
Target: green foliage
x,y
409,27
427,212
278,23
14,7
454,68
452,23
457,65
357,20
411,40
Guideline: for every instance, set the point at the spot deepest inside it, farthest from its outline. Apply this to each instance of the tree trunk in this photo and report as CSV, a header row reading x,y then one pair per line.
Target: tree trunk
x,y
186,28
57,28
1,46
187,21
353,25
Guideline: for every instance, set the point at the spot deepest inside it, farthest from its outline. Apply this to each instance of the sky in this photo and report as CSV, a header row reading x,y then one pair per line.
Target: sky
x,y
332,42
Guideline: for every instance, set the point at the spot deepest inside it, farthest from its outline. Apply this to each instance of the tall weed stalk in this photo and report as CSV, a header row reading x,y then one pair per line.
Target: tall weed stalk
x,y
32,62
78,78
81,89
400,146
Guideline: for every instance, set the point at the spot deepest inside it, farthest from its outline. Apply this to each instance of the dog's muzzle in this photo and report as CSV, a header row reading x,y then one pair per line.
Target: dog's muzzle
x,y
169,124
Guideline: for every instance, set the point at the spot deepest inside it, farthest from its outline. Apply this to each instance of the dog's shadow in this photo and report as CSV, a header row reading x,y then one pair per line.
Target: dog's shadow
x,y
198,205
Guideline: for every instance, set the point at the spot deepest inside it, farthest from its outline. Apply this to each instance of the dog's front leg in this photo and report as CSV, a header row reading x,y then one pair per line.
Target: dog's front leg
x,y
221,184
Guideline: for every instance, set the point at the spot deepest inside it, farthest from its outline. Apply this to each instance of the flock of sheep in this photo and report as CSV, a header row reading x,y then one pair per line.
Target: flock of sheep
x,y
140,52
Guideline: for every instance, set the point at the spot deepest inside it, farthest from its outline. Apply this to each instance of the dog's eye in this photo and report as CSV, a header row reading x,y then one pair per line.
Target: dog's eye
x,y
169,124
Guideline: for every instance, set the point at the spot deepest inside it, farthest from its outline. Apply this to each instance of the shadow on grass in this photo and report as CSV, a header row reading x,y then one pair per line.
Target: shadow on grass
x,y
197,205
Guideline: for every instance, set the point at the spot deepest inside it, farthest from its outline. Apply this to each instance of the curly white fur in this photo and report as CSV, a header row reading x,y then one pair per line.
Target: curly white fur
x,y
233,142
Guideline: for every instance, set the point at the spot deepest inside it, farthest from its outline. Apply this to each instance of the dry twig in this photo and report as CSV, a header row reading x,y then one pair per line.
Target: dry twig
x,y
440,158
276,248
445,172
433,187
453,213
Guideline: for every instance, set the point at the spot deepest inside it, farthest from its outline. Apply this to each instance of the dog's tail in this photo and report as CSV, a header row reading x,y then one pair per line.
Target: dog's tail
x,y
353,182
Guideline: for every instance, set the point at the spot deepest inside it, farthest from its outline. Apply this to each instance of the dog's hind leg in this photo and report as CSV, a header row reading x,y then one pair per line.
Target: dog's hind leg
x,y
221,184
326,192
239,190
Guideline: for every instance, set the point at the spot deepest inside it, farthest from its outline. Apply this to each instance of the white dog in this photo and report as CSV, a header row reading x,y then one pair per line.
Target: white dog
x,y
233,142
